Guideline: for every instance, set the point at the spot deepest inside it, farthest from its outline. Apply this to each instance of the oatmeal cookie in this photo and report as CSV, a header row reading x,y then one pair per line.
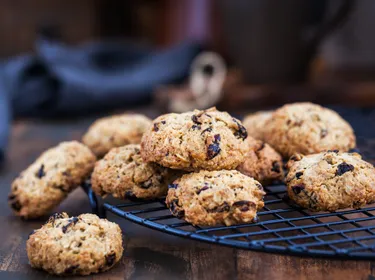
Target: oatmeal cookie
x,y
115,131
255,123
262,162
307,128
75,246
47,181
124,174
211,198
191,141
331,180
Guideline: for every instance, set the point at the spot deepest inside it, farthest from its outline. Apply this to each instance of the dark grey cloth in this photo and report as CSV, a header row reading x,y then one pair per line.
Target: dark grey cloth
x,y
60,80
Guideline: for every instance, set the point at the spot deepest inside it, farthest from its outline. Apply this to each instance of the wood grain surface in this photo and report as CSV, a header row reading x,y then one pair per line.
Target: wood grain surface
x,y
148,254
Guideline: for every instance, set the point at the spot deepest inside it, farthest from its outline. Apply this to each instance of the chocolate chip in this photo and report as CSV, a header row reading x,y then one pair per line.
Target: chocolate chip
x,y
244,205
288,122
194,118
221,208
196,127
146,185
323,133
163,122
299,174
297,189
208,129
343,168
241,132
156,127
71,269
214,149
71,222
333,151
173,206
110,259
16,205
202,189
172,186
40,172
276,167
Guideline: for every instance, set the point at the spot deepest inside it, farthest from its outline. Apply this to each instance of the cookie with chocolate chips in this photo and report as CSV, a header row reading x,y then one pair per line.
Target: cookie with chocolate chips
x,y
307,128
115,131
124,174
209,139
262,162
209,198
330,181
75,245
46,182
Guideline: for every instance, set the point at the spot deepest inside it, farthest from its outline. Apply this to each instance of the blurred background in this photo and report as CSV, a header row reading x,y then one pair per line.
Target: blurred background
x,y
71,58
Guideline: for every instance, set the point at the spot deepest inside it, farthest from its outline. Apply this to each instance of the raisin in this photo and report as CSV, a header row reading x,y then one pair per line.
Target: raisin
x,y
202,189
196,127
172,186
71,269
173,206
195,120
71,222
208,129
333,151
221,208
214,149
163,122
40,172
146,185
343,168
299,174
297,189
55,216
130,195
276,167
156,127
16,206
244,205
323,133
110,259
241,132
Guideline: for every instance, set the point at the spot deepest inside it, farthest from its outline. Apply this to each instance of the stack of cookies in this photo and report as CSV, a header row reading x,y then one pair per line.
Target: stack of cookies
x,y
208,165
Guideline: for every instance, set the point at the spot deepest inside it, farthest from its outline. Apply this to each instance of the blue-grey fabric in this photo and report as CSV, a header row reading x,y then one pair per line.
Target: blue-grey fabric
x,y
59,80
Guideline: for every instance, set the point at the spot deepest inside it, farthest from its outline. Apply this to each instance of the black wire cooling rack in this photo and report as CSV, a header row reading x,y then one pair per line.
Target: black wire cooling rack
x,y
282,227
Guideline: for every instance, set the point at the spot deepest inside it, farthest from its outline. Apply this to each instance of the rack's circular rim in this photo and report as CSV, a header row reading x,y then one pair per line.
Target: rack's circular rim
x,y
253,246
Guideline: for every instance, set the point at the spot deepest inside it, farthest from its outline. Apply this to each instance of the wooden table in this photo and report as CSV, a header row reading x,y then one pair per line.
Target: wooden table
x,y
148,254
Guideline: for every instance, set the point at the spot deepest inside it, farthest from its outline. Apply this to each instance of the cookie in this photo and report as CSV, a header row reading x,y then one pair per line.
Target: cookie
x,y
46,182
75,246
124,174
255,123
209,198
262,162
331,180
307,128
115,131
191,141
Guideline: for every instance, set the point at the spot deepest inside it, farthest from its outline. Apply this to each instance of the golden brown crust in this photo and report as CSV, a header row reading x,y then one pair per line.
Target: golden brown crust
x,y
255,123
307,128
46,182
331,180
262,162
75,246
115,131
215,197
209,139
124,174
